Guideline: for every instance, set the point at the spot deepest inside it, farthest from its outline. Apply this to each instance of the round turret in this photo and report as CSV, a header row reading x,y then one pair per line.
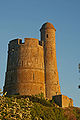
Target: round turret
x,y
51,74
25,68
47,25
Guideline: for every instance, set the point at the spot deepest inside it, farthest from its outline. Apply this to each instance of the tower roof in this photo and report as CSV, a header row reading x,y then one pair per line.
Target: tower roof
x,y
47,25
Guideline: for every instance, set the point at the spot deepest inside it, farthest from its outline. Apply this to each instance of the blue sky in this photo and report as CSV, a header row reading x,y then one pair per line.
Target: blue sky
x,y
24,18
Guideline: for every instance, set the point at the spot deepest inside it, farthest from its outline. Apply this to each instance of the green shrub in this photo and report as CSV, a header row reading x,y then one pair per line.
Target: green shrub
x,y
40,111
15,109
76,111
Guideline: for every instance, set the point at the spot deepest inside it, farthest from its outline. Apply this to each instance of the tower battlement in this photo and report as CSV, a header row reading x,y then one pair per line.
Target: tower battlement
x,y
15,42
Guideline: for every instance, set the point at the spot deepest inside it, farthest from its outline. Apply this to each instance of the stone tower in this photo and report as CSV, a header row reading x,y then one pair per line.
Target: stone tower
x,y
32,67
52,86
25,68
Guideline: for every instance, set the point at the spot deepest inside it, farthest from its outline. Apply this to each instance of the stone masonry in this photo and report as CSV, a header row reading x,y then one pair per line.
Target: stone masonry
x,y
32,65
25,68
63,101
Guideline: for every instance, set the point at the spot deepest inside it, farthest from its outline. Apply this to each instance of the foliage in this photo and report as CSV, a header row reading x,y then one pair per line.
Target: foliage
x,y
18,107
37,99
15,109
41,100
77,113
72,113
47,113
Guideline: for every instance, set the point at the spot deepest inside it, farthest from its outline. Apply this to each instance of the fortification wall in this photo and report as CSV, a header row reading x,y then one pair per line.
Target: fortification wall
x,y
66,101
63,101
25,68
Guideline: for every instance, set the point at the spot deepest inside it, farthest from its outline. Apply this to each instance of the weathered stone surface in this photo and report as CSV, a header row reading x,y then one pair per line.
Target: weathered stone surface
x,y
32,67
51,75
63,101
25,68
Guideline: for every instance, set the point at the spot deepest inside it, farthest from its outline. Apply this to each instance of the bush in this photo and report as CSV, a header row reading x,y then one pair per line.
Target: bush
x,y
13,108
43,112
17,107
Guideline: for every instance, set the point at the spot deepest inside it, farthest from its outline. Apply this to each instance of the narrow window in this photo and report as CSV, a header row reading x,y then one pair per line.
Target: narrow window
x,y
47,36
33,76
22,63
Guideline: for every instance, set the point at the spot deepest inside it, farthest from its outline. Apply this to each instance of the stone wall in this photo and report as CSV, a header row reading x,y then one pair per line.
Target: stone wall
x,y
63,101
25,68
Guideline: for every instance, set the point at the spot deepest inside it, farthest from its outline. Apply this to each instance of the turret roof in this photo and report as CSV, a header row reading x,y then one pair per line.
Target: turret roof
x,y
48,25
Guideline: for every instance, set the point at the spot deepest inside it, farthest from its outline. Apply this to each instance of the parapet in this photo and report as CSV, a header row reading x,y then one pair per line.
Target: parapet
x,y
31,42
27,41
16,41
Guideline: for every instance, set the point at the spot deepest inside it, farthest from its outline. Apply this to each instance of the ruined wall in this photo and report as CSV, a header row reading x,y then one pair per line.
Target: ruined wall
x,y
66,101
63,101
25,68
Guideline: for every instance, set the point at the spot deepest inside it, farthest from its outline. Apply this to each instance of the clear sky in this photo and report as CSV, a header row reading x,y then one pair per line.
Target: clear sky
x,y
24,18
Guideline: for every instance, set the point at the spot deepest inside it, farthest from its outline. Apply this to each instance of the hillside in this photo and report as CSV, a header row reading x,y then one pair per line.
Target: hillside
x,y
34,108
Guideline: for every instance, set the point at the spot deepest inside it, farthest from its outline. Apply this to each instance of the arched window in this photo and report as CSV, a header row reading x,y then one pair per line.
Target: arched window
x,y
47,35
